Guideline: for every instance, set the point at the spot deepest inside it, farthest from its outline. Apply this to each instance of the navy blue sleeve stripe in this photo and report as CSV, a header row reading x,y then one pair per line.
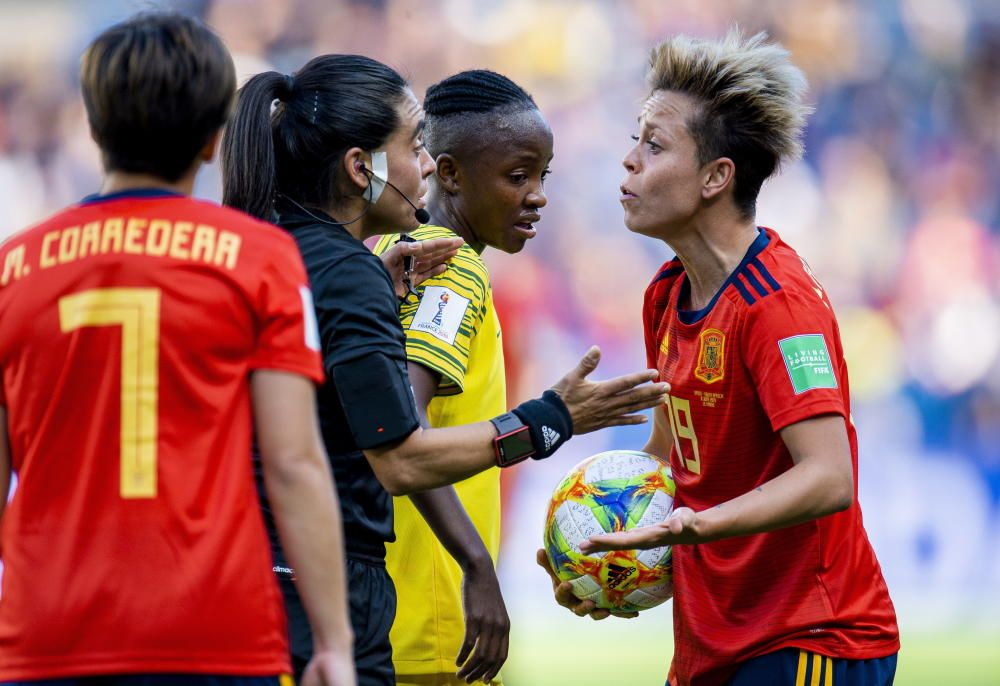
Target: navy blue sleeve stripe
x,y
757,285
766,275
743,291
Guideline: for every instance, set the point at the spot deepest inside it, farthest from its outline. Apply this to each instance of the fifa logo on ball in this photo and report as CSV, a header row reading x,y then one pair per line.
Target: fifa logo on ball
x,y
438,318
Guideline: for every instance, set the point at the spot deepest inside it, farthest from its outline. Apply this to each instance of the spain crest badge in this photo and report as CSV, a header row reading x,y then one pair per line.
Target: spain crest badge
x,y
711,357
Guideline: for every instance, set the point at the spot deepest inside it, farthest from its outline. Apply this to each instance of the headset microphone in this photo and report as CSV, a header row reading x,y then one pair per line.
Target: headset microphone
x,y
422,215
380,180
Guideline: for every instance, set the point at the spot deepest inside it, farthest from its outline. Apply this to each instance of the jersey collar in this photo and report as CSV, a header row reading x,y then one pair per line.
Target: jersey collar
x,y
695,316
131,193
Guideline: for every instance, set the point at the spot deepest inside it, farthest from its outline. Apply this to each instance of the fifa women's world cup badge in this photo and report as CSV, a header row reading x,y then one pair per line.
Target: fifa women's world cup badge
x,y
711,356
441,305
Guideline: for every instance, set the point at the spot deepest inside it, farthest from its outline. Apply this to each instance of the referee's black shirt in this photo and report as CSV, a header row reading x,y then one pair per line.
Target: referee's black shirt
x,y
366,400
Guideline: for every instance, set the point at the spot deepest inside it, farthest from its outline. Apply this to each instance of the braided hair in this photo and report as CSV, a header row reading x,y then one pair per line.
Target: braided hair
x,y
457,108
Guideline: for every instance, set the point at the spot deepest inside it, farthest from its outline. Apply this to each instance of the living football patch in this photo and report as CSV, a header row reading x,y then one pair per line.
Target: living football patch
x,y
807,360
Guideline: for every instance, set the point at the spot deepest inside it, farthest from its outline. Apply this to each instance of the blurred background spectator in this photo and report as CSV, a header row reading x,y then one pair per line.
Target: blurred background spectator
x,y
895,206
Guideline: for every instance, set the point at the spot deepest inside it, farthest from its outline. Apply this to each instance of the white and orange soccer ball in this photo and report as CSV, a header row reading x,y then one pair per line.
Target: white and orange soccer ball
x,y
612,491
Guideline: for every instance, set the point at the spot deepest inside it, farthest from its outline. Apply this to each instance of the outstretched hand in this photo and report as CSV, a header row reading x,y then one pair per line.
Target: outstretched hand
x,y
680,527
429,260
595,405
563,592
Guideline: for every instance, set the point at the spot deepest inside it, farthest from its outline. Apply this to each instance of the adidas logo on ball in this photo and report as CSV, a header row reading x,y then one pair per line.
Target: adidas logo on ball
x,y
618,574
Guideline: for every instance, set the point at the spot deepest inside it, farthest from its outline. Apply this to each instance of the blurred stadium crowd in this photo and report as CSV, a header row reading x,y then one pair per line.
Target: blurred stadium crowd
x,y
895,206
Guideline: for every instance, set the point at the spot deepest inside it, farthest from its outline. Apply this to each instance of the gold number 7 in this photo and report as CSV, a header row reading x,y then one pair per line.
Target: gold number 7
x,y
137,311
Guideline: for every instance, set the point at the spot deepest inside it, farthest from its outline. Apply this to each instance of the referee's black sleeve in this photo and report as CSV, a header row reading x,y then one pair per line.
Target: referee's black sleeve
x,y
364,347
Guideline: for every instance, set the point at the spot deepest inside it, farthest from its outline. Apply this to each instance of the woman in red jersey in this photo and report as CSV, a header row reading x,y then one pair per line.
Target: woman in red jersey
x,y
146,337
776,582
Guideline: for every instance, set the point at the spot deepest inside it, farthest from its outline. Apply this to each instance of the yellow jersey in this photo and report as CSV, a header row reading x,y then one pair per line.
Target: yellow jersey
x,y
451,328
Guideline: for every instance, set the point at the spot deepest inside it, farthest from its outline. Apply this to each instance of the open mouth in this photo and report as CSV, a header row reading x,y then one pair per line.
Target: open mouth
x,y
526,229
627,195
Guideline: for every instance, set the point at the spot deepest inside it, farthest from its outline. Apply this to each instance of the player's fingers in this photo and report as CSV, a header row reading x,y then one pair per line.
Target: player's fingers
x,y
626,382
599,614
565,596
502,652
626,420
491,653
625,615
429,259
543,561
639,398
418,278
587,364
466,671
583,608
477,665
467,644
641,538
430,246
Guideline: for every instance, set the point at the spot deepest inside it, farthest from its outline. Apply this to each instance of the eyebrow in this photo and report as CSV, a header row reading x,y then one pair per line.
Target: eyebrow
x,y
647,124
418,129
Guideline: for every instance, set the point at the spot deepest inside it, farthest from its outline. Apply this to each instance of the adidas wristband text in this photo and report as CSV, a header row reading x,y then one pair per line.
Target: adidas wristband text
x,y
548,421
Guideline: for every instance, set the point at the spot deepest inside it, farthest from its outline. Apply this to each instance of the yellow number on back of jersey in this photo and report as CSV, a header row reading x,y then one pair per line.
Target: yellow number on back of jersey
x,y
137,312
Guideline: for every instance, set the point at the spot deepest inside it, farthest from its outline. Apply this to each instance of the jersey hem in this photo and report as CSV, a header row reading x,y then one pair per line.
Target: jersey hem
x,y
429,667
871,651
310,372
801,412
458,385
244,665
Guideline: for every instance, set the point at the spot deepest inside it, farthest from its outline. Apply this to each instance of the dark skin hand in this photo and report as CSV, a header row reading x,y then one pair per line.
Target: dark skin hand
x,y
487,626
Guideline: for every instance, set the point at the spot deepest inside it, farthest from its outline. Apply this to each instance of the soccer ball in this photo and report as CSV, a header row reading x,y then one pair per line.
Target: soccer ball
x,y
612,491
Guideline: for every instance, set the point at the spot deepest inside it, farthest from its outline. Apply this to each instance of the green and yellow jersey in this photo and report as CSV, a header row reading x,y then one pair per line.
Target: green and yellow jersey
x,y
452,329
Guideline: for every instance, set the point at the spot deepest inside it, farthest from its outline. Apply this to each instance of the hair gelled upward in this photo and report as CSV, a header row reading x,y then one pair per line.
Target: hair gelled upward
x,y
749,98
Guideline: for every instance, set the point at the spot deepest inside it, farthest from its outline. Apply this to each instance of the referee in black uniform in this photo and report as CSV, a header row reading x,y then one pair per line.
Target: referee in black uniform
x,y
341,159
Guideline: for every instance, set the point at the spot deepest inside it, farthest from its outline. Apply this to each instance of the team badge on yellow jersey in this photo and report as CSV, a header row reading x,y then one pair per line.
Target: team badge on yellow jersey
x,y
711,356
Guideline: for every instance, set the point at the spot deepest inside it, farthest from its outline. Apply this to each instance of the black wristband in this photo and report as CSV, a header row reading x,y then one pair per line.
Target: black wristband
x,y
549,422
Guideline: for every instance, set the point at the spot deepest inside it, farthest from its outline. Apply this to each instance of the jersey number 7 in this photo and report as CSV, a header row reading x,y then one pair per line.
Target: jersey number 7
x,y
137,311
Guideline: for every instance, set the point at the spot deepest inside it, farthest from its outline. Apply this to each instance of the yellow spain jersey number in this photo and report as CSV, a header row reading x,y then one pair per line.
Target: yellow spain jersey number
x,y
137,312
682,427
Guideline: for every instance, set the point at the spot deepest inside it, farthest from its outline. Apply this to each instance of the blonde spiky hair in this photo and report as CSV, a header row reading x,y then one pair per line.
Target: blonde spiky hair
x,y
749,103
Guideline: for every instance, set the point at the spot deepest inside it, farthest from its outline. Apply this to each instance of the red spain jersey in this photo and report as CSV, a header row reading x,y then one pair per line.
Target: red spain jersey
x,y
134,541
764,354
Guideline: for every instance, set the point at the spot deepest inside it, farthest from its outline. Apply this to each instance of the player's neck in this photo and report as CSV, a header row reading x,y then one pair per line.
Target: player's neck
x,y
710,252
117,181
444,213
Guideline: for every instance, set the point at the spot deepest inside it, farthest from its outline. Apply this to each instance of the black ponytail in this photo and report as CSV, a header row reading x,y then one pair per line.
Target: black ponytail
x,y
248,166
334,103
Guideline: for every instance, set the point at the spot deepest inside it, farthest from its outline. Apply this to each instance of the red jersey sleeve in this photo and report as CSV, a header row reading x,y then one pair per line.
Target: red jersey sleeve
x,y
288,338
792,350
